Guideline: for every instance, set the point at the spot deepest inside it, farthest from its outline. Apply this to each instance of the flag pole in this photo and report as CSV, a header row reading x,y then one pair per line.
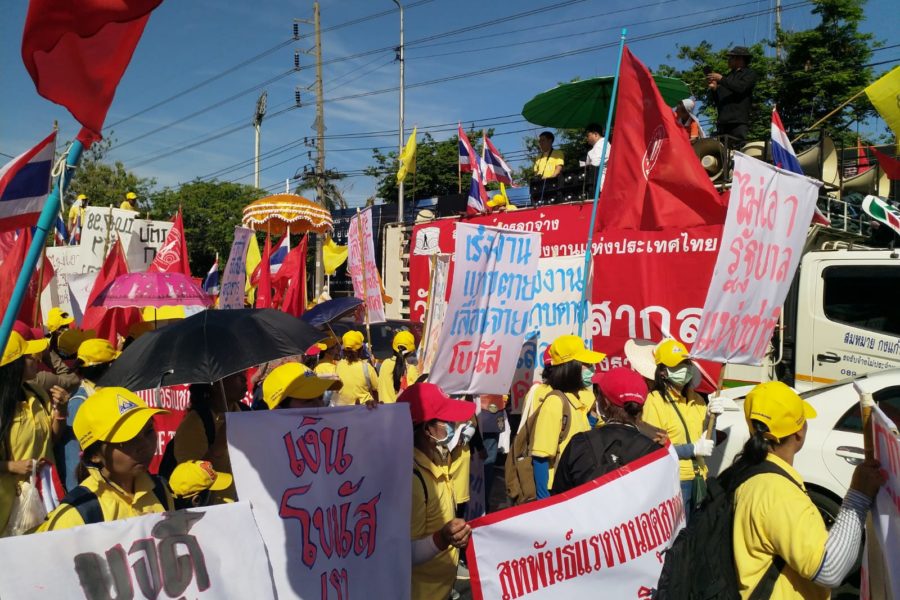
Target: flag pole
x,y
45,222
590,239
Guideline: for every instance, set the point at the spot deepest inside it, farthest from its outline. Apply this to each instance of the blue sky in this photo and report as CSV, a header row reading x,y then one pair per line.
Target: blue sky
x,y
188,42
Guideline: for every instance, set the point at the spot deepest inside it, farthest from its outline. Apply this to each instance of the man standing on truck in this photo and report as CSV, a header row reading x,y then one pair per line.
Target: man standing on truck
x,y
732,94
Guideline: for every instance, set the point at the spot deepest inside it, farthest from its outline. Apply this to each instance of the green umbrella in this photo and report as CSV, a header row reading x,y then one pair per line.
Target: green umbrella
x,y
577,105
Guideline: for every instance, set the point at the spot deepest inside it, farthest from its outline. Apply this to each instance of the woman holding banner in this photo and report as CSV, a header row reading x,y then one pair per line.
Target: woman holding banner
x,y
780,540
675,407
437,535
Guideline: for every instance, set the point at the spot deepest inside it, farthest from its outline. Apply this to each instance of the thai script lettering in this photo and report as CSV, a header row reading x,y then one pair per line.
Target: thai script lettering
x,y
739,331
513,249
483,359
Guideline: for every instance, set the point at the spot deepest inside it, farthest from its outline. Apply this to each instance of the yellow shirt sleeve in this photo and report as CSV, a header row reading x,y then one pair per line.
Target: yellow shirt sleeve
x,y
386,391
65,516
547,428
419,512
190,439
460,466
794,527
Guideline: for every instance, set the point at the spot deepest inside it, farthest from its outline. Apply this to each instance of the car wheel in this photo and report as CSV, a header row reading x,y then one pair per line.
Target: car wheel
x,y
829,508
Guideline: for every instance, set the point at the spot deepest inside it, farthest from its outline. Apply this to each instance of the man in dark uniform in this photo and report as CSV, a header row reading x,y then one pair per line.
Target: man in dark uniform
x,y
732,94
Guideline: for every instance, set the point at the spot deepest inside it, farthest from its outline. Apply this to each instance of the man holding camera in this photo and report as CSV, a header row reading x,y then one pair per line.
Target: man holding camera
x,y
732,94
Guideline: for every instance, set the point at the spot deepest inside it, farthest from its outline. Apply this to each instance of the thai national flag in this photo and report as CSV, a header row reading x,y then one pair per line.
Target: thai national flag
x,y
211,281
60,231
279,253
784,157
468,160
75,234
25,184
493,167
478,197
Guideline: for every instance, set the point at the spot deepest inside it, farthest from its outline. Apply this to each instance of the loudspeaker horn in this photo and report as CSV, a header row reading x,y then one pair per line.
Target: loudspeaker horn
x,y
758,151
873,181
821,162
712,156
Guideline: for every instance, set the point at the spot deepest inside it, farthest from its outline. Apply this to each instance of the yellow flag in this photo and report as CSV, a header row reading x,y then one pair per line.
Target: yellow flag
x,y
252,261
333,256
408,157
885,97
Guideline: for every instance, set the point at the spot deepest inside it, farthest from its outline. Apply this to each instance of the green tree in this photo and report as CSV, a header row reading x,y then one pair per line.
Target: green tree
x,y
211,210
106,184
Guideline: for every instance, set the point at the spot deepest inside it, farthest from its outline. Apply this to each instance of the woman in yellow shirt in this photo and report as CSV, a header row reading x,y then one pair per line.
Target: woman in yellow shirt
x,y
396,374
29,420
675,407
358,376
115,431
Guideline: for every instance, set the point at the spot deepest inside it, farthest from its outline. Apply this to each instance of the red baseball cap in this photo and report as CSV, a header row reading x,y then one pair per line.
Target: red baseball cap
x,y
28,333
546,357
620,385
428,401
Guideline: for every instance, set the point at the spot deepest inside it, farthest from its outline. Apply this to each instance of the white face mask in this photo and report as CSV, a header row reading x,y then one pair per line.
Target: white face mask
x,y
444,441
679,376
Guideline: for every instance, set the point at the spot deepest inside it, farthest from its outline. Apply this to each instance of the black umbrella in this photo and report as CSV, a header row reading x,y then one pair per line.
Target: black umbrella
x,y
208,346
331,310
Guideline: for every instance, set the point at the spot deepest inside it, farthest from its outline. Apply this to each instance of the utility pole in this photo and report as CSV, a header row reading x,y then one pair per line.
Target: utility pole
x,y
257,124
777,29
320,145
400,57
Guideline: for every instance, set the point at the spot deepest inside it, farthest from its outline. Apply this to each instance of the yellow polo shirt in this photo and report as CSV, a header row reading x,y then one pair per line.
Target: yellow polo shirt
x,y
357,389
545,166
432,580
386,391
460,467
549,425
126,205
326,367
29,438
191,443
772,517
660,413
115,503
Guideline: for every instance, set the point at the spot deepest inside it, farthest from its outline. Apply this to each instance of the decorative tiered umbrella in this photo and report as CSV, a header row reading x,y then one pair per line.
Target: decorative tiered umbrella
x,y
284,213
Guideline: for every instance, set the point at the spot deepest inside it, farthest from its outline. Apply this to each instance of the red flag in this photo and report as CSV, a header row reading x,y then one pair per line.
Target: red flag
x,y
264,290
76,53
109,322
9,272
294,267
653,182
173,256
890,166
862,159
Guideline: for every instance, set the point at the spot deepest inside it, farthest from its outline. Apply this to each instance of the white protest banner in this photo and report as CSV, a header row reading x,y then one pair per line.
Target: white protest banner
x,y
361,264
330,490
565,547
768,217
437,309
234,278
141,238
886,514
182,554
491,295
558,306
66,260
80,287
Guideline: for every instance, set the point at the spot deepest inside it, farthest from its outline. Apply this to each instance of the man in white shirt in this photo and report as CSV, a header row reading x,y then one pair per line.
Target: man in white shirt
x,y
594,137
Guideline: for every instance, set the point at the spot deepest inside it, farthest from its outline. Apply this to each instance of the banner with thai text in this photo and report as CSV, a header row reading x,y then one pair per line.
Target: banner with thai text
x,y
667,271
361,264
234,278
66,261
564,547
491,295
886,513
437,310
768,217
176,399
558,307
331,491
181,554
141,238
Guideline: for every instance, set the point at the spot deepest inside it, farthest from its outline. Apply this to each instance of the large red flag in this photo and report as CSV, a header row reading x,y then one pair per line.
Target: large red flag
x,y
173,256
76,53
264,289
109,322
890,166
9,271
294,268
653,180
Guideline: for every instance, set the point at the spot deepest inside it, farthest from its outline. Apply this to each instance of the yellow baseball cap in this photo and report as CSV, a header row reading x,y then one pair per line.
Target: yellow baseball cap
x,y
112,414
353,340
293,380
96,351
498,200
131,196
17,347
81,197
70,339
327,343
56,318
778,406
670,353
404,339
567,348
194,476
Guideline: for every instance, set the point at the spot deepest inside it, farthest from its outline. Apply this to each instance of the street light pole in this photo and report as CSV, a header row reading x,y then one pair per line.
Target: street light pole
x,y
257,123
400,57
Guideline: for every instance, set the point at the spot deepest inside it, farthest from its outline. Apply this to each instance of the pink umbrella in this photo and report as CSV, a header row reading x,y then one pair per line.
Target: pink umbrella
x,y
153,289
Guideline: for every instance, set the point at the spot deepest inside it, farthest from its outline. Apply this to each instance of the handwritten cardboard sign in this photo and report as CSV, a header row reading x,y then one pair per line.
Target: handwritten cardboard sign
x,y
234,278
491,295
361,264
768,216
141,238
66,261
564,547
331,492
182,554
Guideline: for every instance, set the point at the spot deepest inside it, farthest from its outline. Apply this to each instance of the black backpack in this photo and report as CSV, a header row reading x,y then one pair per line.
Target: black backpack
x,y
614,446
88,506
700,563
168,463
